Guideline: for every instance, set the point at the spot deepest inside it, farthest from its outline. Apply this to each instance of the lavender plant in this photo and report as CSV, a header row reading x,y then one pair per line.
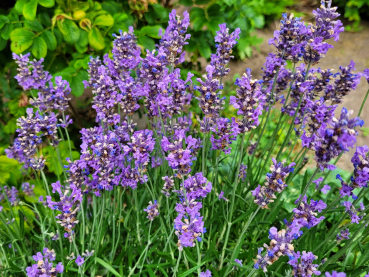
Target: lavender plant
x,y
184,197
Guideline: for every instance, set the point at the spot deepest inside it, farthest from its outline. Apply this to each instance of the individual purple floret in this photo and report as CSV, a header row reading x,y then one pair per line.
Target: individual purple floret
x,y
68,205
304,267
179,158
249,101
156,162
360,161
28,189
224,132
238,261
343,235
365,74
353,212
11,194
207,273
280,245
80,261
210,102
152,210
221,196
344,82
305,214
242,174
174,38
224,44
275,182
335,274
44,266
126,53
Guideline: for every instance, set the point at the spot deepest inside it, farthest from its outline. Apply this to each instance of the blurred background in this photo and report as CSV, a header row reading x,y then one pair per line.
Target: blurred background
x,y
67,32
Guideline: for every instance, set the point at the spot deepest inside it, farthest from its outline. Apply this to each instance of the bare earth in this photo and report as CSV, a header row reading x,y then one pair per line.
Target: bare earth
x,y
351,46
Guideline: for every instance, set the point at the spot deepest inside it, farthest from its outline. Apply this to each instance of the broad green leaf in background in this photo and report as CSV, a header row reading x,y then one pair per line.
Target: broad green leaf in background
x,y
19,5
3,43
83,40
34,25
70,30
77,85
22,39
47,3
3,20
6,31
205,50
151,31
104,20
96,39
146,42
30,9
39,48
50,40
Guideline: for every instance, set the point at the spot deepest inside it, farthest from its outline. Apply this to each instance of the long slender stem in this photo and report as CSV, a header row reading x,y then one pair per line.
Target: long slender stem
x,y
177,265
363,103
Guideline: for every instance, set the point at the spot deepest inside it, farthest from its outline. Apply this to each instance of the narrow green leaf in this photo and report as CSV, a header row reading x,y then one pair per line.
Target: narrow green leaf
x,y
34,25
50,40
69,29
188,272
104,20
39,48
21,222
96,39
30,9
47,3
107,266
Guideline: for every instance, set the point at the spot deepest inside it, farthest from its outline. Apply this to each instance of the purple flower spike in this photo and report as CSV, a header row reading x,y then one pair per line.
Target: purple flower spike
x,y
345,81
224,44
275,182
344,234
152,210
11,194
224,132
305,266
125,51
280,245
28,189
44,266
174,38
305,214
180,159
249,101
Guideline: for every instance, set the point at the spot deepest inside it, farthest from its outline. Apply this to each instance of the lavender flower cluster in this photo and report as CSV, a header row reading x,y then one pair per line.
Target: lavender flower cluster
x,y
114,154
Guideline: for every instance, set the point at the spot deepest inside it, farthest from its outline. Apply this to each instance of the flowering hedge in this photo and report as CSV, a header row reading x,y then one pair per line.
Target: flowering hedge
x,y
187,197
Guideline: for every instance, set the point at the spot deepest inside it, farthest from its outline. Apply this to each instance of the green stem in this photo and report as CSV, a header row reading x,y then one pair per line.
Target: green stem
x,y
362,104
177,265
